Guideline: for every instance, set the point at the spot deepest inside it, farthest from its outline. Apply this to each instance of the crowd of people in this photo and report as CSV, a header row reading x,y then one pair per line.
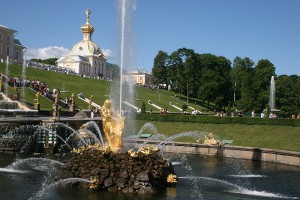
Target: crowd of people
x,y
16,82
36,85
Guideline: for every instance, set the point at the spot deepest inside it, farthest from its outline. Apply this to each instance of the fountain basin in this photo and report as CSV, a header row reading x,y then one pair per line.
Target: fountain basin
x,y
251,153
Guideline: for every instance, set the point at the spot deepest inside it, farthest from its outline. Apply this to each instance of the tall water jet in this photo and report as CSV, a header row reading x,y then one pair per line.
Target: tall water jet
x,y
272,94
23,76
6,74
126,92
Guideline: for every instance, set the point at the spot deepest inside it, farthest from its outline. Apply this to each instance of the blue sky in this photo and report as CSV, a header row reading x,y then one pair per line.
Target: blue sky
x,y
258,29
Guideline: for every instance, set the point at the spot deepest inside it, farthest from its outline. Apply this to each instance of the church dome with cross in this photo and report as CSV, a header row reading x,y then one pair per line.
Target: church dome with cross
x,y
86,57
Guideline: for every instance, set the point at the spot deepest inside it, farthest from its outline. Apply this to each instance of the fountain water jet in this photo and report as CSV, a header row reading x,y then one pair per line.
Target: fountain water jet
x,y
93,125
33,162
23,76
45,191
127,8
7,75
272,94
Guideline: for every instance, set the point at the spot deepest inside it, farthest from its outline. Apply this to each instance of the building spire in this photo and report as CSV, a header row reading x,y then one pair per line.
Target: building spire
x,y
87,29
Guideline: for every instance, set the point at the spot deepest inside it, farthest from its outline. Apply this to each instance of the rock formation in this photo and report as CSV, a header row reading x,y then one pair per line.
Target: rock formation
x,y
126,172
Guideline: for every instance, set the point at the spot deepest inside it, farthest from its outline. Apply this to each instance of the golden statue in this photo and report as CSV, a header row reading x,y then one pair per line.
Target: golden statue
x,y
37,96
172,178
56,96
209,139
113,125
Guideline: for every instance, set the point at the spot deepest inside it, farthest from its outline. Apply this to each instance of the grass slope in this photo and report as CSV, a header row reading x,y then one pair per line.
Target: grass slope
x,y
99,89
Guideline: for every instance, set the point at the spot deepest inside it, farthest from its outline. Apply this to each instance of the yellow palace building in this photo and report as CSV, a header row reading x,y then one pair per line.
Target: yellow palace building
x,y
10,46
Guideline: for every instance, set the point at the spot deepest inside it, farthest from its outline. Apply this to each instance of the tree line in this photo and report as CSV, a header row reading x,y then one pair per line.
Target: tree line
x,y
223,85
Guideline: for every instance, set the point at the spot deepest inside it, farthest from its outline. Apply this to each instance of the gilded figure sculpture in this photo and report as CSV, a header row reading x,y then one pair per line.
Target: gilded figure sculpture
x,y
113,125
37,97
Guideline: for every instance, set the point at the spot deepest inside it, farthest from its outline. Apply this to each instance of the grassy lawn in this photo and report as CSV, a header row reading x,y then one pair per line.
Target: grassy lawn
x,y
273,137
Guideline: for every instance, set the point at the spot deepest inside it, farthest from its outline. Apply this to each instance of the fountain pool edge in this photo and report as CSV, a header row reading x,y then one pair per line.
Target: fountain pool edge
x,y
252,153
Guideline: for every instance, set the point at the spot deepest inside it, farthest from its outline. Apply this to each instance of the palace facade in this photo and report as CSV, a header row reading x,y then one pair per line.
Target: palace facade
x,y
10,46
138,77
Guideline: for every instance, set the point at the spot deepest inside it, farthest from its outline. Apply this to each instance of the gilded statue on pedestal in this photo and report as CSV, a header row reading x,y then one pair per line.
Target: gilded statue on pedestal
x,y
113,125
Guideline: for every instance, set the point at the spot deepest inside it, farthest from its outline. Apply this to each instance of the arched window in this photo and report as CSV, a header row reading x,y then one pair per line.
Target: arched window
x,y
8,38
0,36
7,51
0,48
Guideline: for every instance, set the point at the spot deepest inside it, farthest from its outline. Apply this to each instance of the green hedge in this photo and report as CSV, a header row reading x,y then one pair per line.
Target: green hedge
x,y
218,120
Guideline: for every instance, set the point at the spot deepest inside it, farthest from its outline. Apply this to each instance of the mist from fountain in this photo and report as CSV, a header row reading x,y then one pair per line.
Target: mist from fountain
x,y
147,127
29,134
272,94
235,188
23,76
126,92
42,194
7,75
195,190
33,162
197,135
74,132
92,125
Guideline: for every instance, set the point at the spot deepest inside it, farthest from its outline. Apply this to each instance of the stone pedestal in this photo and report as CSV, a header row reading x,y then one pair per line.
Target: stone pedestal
x,y
37,106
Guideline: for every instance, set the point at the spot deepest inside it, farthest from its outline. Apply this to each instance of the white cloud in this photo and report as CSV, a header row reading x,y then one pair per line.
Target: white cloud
x,y
109,53
57,52
47,52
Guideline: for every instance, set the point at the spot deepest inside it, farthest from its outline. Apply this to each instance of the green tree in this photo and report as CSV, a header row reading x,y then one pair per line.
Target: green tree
x,y
214,80
181,65
287,95
159,70
263,72
49,61
241,76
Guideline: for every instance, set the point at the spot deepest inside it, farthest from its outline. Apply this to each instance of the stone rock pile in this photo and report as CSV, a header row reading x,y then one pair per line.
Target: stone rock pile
x,y
126,172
